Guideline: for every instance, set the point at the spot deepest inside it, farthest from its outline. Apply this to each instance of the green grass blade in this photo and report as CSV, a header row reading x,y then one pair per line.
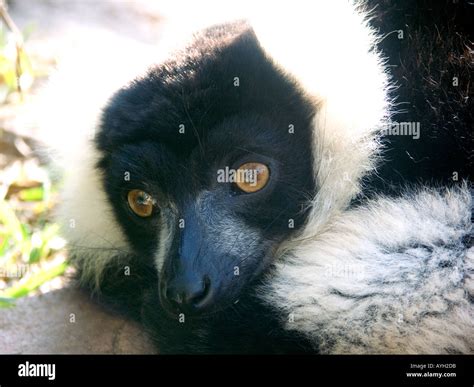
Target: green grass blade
x,y
9,219
35,281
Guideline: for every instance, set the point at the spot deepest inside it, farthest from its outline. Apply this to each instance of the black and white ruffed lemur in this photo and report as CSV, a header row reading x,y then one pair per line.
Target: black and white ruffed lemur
x,y
299,182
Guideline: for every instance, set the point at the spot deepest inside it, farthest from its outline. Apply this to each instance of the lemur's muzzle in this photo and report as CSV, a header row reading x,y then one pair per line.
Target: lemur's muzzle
x,y
203,271
192,279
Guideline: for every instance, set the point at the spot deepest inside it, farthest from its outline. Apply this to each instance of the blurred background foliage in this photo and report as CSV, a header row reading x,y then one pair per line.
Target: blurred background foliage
x,y
31,252
49,33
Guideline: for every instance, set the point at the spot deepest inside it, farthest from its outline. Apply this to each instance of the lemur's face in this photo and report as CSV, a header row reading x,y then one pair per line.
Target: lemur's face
x,y
208,164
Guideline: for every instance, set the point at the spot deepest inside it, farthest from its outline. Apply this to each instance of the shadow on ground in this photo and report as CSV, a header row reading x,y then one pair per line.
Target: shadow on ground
x,y
43,325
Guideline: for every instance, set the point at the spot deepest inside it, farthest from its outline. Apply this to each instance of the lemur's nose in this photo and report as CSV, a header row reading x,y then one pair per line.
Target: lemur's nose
x,y
188,295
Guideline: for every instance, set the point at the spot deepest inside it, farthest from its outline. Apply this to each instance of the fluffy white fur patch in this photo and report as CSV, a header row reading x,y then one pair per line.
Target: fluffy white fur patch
x,y
390,277
330,49
67,112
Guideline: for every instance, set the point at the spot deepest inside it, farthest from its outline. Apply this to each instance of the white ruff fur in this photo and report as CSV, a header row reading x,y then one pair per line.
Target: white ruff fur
x,y
390,277
67,111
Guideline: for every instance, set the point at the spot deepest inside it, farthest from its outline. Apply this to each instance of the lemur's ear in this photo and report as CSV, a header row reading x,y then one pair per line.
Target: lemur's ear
x,y
238,39
234,32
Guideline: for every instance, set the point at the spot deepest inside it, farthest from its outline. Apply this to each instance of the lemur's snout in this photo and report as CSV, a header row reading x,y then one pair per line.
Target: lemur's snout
x,y
192,295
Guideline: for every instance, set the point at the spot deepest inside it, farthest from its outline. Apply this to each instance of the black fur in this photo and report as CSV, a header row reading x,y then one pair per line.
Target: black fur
x,y
436,46
249,327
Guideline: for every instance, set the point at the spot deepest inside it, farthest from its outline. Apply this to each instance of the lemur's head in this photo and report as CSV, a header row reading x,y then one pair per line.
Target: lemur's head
x,y
208,163
203,169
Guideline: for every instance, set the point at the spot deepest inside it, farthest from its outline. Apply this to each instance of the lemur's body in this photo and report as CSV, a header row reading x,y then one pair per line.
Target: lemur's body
x,y
319,259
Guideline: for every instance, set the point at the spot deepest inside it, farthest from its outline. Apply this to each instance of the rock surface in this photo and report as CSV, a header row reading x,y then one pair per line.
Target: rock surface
x,y
44,325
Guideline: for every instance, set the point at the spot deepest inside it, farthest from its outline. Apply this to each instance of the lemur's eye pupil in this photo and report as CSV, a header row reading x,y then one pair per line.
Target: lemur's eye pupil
x,y
252,177
140,202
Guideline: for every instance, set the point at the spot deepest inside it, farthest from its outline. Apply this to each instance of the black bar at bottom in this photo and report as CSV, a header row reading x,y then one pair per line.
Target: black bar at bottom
x,y
137,370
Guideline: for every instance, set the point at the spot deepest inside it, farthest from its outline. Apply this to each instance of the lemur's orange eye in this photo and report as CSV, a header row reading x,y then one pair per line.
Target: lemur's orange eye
x,y
140,202
252,177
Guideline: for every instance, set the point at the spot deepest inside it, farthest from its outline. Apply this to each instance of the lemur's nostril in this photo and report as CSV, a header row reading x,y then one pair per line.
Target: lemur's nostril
x,y
205,290
189,296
